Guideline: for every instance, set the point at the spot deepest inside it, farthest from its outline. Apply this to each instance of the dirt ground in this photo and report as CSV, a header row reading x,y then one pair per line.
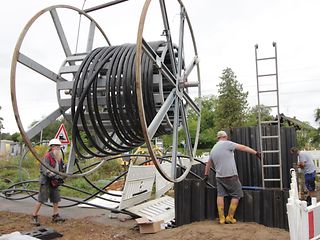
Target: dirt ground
x,y
87,228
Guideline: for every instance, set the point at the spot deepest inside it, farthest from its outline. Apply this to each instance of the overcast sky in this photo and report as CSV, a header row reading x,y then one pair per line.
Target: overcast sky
x,y
226,32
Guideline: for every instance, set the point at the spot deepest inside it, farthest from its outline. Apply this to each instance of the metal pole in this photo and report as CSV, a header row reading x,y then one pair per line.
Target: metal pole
x,y
104,5
41,135
274,44
259,117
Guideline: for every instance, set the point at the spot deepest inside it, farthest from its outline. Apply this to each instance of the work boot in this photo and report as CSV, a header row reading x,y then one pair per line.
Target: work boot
x,y
35,220
222,219
57,219
230,220
308,200
231,212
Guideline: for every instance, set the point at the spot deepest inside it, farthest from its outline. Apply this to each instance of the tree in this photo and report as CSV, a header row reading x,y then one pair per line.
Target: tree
x,y
208,112
16,137
1,124
253,114
308,137
317,115
232,105
316,136
208,127
208,123
50,131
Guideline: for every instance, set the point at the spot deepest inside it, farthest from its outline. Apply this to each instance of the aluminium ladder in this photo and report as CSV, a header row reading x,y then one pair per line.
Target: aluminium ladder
x,y
276,165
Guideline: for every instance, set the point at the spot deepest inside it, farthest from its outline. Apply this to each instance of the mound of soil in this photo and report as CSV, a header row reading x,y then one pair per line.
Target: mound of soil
x,y
88,228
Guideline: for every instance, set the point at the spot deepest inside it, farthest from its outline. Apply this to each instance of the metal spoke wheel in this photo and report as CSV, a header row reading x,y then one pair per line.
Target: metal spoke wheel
x,y
180,74
117,97
62,60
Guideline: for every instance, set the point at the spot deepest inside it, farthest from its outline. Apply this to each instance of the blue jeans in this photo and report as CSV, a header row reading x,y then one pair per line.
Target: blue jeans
x,y
310,181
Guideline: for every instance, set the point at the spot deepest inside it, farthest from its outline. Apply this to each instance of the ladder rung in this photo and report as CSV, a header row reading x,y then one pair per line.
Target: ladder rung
x,y
264,122
267,91
266,137
272,180
270,151
267,75
268,58
271,165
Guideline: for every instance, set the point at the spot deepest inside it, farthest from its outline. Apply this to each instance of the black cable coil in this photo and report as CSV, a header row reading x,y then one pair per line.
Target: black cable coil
x,y
104,106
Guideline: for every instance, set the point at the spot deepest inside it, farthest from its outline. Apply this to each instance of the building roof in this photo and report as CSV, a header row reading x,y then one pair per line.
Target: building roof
x,y
293,122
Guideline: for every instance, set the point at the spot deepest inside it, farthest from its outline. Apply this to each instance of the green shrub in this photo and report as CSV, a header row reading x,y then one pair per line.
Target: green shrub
x,y
79,183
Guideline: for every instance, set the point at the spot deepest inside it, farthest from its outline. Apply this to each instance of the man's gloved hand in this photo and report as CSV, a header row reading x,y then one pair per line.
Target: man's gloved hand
x,y
56,176
205,179
51,174
258,155
300,165
59,179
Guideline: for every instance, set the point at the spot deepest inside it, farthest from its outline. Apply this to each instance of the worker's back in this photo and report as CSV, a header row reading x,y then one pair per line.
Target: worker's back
x,y
222,157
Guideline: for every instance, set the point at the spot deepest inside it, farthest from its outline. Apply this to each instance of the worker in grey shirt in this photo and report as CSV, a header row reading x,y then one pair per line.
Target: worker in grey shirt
x,y
305,162
228,183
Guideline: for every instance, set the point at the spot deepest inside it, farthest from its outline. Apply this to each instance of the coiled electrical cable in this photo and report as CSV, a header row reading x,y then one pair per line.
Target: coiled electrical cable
x,y
104,104
14,192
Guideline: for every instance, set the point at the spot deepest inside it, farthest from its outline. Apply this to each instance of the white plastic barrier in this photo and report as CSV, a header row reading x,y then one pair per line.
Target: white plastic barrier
x,y
138,185
162,185
137,189
304,222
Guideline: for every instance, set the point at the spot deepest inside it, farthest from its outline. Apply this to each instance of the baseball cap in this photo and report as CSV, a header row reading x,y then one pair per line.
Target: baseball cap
x,y
221,134
294,150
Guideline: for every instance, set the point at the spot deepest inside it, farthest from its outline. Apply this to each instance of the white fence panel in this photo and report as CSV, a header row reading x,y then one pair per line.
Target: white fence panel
x,y
304,221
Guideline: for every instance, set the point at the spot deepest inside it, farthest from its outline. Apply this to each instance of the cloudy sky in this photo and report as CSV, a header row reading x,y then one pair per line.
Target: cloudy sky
x,y
225,31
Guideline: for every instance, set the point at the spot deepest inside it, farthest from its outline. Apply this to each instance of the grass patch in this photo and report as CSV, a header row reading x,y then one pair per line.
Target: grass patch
x,y
18,169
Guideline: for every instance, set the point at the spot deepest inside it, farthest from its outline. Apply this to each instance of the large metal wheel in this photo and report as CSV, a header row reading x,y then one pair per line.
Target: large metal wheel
x,y
158,98
178,71
62,76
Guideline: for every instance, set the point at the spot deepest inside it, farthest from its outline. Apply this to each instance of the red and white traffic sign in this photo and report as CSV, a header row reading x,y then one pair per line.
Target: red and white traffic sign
x,y
62,135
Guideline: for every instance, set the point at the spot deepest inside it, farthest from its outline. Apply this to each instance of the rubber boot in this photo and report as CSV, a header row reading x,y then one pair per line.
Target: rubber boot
x,y
308,200
232,210
222,219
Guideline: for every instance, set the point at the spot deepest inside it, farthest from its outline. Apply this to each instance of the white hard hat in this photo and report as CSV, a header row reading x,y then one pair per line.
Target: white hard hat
x,y
54,141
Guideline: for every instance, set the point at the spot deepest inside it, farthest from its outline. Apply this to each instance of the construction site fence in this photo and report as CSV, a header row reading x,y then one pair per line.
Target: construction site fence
x,y
195,201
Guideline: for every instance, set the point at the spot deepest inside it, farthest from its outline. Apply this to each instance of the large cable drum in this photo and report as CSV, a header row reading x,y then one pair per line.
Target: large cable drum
x,y
103,99
118,97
